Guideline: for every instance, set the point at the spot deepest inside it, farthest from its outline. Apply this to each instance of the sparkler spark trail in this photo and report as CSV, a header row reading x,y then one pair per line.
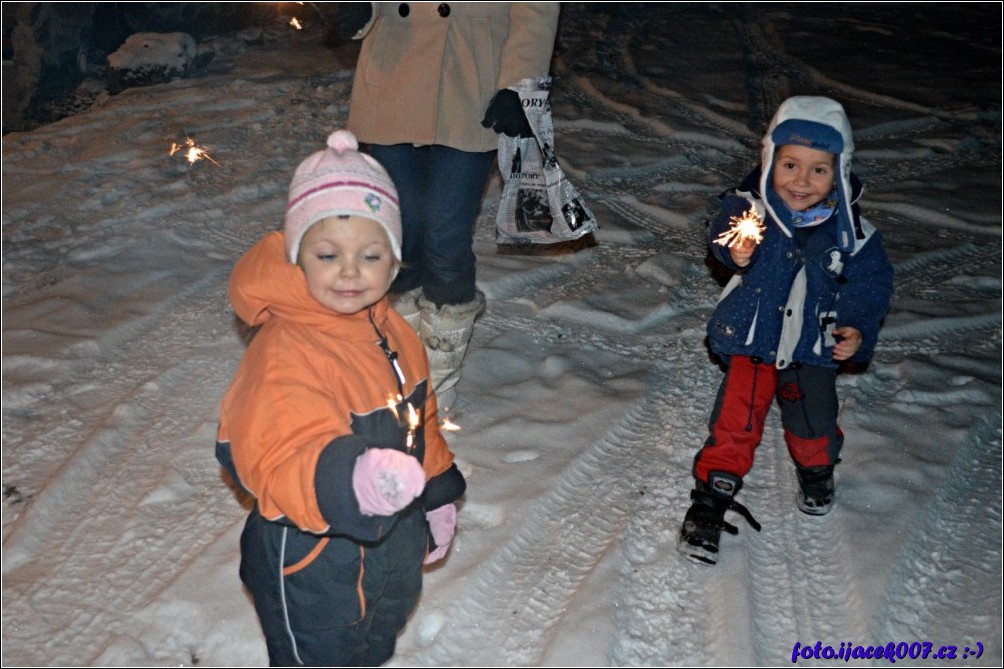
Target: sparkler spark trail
x,y
413,423
414,420
192,151
748,227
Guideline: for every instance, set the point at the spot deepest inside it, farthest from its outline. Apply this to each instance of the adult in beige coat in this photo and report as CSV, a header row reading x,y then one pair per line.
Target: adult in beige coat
x,y
430,95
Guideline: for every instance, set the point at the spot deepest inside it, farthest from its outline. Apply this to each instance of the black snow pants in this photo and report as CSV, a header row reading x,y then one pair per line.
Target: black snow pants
x,y
329,600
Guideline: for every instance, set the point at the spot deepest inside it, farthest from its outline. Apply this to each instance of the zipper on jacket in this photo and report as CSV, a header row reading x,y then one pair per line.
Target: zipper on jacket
x,y
390,354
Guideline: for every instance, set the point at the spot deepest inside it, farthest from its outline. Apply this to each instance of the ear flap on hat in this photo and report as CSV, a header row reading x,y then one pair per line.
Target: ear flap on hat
x,y
820,123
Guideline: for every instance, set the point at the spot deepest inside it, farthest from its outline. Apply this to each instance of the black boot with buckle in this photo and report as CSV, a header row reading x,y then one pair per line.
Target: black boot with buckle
x,y
705,520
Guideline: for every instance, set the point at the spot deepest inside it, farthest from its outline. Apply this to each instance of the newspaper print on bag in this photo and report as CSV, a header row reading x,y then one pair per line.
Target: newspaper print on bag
x,y
538,204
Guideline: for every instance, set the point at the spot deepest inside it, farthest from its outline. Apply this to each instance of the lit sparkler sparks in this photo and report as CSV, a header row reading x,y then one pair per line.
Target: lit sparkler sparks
x,y
449,425
748,227
191,151
414,420
413,423
295,22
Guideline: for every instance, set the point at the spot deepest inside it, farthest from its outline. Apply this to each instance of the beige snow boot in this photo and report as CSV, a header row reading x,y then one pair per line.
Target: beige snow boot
x,y
446,332
406,304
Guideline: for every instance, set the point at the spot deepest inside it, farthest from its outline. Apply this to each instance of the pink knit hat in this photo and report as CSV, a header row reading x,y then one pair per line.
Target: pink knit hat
x,y
338,181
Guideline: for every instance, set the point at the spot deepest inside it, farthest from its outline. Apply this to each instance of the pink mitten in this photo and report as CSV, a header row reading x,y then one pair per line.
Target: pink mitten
x,y
443,525
385,481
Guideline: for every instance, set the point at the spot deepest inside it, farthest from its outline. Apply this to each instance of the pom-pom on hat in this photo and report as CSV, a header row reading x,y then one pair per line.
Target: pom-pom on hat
x,y
341,181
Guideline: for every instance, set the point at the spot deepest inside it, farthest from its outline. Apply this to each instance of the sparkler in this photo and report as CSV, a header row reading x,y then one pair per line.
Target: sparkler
x,y
448,425
414,420
296,23
192,151
746,228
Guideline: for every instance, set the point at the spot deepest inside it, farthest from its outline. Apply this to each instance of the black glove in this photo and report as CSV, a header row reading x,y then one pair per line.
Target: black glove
x,y
505,115
352,16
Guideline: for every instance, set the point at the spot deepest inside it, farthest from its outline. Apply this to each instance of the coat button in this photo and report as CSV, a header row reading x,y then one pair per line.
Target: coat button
x,y
444,10
403,9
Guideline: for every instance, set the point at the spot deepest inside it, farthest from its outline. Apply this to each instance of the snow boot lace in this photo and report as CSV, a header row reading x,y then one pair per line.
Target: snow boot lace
x,y
705,520
815,489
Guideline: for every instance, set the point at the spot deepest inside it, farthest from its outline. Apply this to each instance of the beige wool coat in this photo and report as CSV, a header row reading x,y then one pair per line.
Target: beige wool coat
x,y
427,70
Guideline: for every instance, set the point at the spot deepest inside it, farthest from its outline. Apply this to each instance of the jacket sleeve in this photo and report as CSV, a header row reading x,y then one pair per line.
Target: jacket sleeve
x,y
291,448
867,293
443,489
528,49
336,497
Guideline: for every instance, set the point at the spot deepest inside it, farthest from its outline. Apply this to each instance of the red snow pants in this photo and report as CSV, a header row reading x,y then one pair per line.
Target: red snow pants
x,y
808,400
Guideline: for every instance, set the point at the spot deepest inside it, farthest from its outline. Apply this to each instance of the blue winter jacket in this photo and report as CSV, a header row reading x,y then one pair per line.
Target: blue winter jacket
x,y
799,285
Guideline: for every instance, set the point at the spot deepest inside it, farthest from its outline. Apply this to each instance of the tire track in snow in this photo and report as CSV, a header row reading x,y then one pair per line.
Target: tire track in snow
x,y
132,470
965,512
764,51
672,611
902,166
630,211
768,68
678,105
799,567
148,464
633,339
583,91
512,604
797,571
935,267
962,333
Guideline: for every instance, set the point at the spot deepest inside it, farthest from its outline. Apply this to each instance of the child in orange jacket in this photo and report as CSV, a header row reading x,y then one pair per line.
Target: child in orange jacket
x,y
330,423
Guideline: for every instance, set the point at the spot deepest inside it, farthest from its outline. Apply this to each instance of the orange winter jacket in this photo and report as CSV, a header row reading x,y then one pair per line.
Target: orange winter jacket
x,y
314,390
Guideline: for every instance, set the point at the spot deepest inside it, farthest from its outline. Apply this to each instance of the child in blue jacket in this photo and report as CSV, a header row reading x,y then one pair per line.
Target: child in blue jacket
x,y
807,296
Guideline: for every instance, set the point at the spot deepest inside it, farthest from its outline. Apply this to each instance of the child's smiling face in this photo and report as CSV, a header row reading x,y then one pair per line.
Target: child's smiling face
x,y
348,262
803,177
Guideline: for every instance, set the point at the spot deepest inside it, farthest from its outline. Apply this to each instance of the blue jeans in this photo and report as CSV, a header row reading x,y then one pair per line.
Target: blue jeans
x,y
440,189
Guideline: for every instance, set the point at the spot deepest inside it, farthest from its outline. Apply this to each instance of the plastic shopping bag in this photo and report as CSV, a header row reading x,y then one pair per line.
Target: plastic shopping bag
x,y
538,205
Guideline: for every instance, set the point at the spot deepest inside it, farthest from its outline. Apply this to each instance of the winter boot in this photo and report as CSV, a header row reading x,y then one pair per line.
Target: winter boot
x,y
705,520
406,304
446,331
815,489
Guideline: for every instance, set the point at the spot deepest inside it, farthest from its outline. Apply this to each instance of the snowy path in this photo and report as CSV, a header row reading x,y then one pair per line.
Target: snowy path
x,y
799,572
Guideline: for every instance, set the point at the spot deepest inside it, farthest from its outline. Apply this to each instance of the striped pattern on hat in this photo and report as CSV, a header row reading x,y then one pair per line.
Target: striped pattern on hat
x,y
340,181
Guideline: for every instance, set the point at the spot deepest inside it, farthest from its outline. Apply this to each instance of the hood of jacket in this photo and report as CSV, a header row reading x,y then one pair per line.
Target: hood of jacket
x,y
817,123
264,285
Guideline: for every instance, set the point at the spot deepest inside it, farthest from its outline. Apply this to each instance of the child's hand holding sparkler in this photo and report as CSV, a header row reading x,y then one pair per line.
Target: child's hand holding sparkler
x,y
742,251
742,237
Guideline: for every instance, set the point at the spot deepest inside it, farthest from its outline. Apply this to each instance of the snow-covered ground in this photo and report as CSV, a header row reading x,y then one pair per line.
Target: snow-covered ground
x,y
587,388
